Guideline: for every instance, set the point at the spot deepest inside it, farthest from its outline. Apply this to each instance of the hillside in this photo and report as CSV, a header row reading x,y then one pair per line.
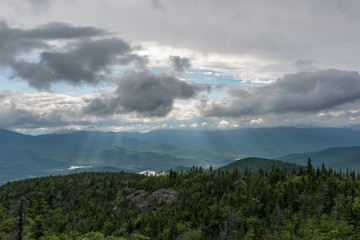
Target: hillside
x,y
254,164
337,158
193,205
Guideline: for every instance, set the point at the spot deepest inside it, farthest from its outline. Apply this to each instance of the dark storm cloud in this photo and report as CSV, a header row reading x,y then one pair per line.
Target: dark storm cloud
x,y
145,93
179,64
85,61
301,92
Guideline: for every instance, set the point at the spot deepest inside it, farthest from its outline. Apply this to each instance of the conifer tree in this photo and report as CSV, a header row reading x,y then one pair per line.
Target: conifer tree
x,y
310,168
39,210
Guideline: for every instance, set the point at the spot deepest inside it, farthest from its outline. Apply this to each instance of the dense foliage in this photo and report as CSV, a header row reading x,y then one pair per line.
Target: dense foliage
x,y
307,204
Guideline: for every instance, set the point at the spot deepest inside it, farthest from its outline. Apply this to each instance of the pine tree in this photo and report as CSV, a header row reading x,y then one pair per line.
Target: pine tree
x,y
310,168
39,210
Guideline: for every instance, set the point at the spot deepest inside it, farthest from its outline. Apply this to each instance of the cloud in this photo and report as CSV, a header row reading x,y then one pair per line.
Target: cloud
x,y
33,7
81,59
305,65
39,2
85,61
157,4
15,41
48,112
303,92
179,65
145,93
277,33
23,110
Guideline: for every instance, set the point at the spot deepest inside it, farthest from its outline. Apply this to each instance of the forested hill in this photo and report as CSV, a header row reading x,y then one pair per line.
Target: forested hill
x,y
254,164
337,157
279,204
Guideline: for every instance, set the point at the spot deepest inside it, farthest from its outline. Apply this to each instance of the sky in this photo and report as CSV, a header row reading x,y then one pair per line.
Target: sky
x,y
140,65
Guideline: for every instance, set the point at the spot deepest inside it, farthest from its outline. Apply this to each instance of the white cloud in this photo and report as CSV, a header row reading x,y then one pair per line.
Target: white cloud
x,y
256,121
204,124
207,73
223,123
246,67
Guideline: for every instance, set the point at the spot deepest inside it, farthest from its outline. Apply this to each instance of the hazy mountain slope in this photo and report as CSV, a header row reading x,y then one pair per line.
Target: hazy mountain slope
x,y
261,142
120,157
18,163
254,164
338,157
23,156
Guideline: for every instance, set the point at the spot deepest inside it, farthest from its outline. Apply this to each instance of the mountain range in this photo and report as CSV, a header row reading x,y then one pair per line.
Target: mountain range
x,y
336,158
23,156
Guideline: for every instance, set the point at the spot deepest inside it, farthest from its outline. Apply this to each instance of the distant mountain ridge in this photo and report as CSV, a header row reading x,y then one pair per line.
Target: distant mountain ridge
x,y
337,158
263,142
23,156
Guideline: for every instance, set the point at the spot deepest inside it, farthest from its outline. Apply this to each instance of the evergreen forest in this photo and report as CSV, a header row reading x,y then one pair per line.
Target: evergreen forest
x,y
307,203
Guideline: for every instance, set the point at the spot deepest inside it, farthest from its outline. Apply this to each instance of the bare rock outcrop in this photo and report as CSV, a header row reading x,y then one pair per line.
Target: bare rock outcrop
x,y
142,200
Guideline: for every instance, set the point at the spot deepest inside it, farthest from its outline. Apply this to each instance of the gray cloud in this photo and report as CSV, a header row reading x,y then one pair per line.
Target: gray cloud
x,y
15,41
305,65
39,2
304,92
157,4
81,60
145,93
272,32
86,61
56,111
179,64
